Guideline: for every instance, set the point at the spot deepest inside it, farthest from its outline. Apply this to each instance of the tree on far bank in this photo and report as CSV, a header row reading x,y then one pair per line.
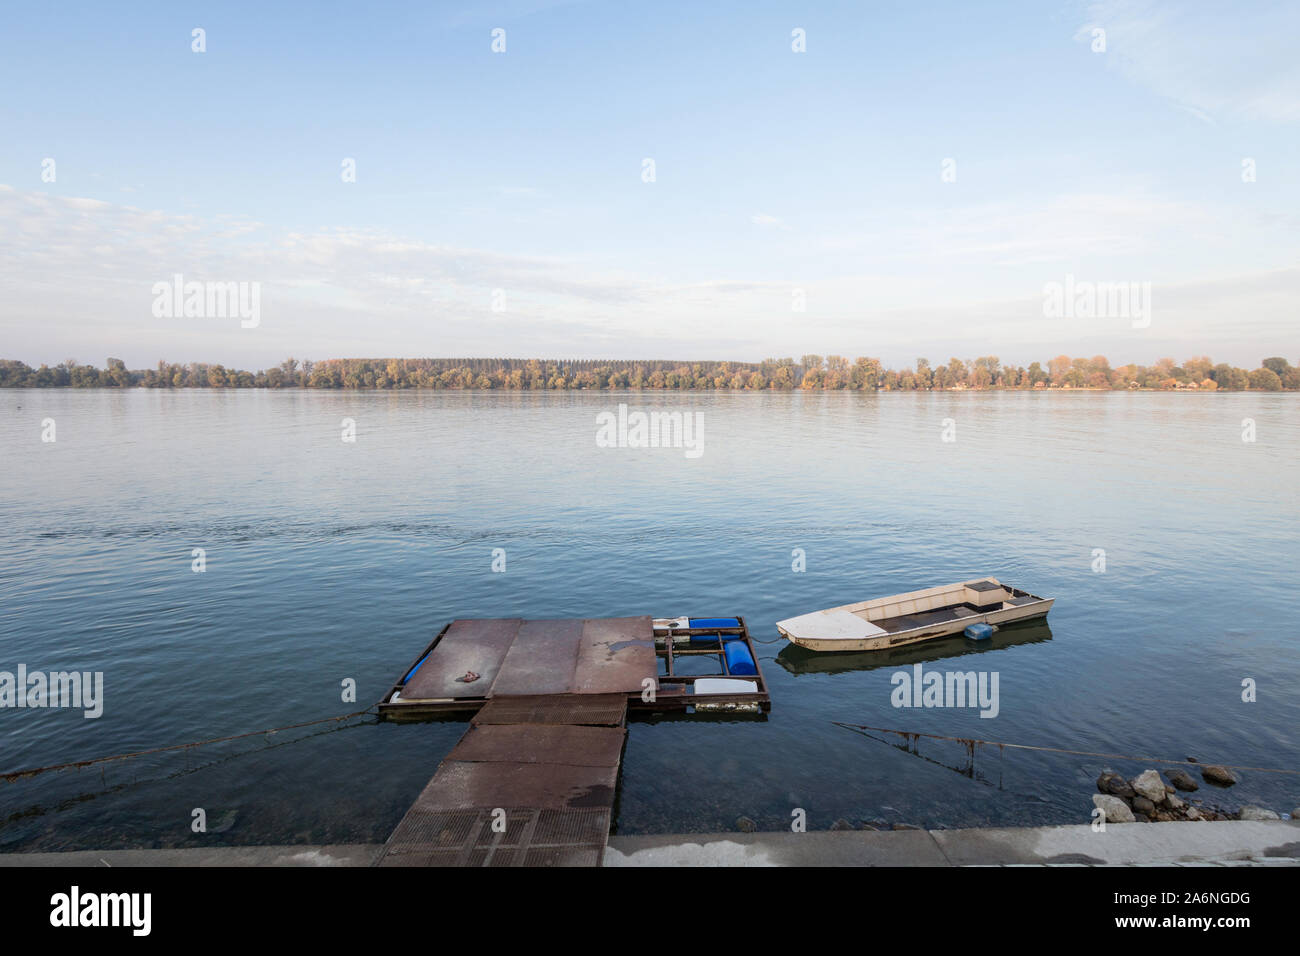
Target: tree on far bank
x,y
1265,379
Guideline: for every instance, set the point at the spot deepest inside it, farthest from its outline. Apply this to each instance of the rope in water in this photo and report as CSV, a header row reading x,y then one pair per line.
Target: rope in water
x,y
15,775
1057,750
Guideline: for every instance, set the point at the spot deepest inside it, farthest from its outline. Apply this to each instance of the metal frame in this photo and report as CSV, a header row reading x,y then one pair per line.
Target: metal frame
x,y
676,698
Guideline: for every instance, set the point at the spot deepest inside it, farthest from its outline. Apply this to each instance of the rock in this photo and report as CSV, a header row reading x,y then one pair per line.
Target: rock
x,y
1164,817
905,826
1213,773
1113,808
841,824
1143,805
1148,784
1141,817
746,825
1112,783
1249,812
1174,803
1183,780
1194,814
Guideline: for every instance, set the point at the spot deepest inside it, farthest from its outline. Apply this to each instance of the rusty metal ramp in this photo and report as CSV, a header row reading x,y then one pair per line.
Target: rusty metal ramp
x,y
589,709
572,745
532,783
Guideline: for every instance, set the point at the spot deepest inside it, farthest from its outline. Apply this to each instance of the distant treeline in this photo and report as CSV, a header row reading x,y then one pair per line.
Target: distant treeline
x,y
810,372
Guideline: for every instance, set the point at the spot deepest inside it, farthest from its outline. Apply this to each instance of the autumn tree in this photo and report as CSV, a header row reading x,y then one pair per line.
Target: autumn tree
x,y
1265,379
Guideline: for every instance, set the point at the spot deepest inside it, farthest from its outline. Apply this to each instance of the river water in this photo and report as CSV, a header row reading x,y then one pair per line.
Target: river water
x,y
328,560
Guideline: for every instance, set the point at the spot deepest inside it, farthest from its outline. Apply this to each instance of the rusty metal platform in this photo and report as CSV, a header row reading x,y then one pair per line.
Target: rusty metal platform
x,y
473,661
654,666
615,655
541,660
467,648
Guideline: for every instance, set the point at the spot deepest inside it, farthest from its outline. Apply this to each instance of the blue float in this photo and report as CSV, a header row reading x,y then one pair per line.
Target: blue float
x,y
738,657
714,622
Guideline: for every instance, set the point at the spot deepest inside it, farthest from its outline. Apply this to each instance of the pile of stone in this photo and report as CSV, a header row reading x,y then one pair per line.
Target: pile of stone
x,y
1149,798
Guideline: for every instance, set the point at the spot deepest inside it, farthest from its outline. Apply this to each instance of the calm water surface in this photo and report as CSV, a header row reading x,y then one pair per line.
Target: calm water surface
x,y
328,561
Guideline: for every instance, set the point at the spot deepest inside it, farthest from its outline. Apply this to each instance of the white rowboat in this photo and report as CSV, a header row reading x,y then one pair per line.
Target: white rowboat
x,y
916,616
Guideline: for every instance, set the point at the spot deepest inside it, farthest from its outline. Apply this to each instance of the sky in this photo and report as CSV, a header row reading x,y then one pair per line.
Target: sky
x,y
908,184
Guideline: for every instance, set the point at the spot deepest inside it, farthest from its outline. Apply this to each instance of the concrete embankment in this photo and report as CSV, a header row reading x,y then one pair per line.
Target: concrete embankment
x,y
1229,843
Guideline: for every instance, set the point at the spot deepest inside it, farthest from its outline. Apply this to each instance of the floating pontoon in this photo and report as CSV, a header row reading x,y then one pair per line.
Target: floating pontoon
x,y
692,664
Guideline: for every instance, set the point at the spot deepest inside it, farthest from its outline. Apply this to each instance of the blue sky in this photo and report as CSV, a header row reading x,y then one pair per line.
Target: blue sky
x,y
777,173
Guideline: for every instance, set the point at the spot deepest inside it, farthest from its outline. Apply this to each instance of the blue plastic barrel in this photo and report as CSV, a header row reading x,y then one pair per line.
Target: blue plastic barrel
x,y
705,638
979,632
714,622
738,657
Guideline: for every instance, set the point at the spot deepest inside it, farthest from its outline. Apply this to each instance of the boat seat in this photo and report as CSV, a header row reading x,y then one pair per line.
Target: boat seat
x,y
1024,599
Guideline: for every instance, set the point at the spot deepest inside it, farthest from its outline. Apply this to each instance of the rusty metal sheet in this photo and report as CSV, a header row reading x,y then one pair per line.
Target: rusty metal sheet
x,y
461,785
542,743
562,856
615,655
590,709
471,645
541,660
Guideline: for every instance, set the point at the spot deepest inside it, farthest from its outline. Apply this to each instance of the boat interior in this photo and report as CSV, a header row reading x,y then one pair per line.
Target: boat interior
x,y
940,605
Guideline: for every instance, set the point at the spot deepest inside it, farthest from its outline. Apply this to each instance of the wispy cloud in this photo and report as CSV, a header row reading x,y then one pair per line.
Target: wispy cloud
x,y
1211,59
970,279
